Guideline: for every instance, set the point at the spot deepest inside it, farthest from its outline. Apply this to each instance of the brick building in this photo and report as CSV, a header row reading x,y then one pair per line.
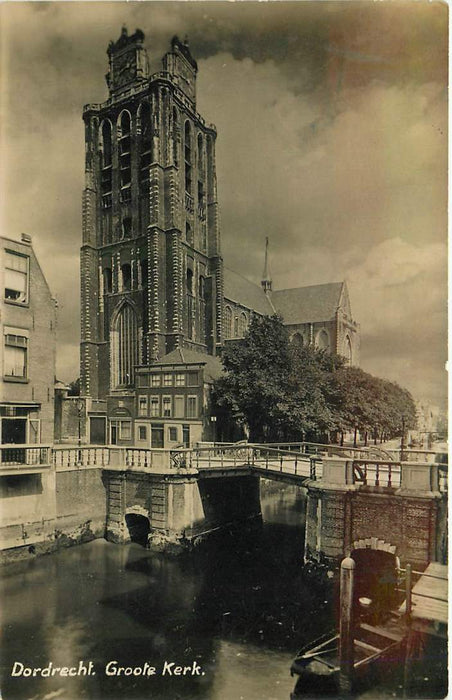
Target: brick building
x,y
157,302
28,329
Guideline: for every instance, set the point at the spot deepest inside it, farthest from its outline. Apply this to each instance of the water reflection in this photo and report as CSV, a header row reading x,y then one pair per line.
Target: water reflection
x,y
239,606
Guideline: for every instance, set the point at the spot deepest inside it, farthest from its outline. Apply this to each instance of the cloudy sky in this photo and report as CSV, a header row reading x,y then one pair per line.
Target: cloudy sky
x,y
332,141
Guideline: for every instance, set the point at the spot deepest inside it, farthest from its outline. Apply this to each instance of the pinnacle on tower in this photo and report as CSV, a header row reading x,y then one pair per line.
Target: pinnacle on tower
x,y
266,281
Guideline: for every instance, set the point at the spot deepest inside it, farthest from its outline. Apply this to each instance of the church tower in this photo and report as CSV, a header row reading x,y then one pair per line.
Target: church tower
x,y
151,267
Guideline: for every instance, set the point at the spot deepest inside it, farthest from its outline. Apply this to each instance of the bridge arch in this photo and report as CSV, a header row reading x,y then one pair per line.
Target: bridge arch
x,y
137,524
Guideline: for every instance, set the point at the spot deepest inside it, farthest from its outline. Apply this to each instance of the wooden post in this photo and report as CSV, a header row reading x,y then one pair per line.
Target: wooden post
x,y
409,641
346,627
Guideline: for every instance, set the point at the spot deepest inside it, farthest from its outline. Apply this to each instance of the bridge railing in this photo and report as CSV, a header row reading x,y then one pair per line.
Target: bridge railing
x,y
23,456
376,473
86,456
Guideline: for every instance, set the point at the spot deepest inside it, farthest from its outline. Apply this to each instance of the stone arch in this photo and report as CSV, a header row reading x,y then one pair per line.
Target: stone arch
x,y
322,340
120,123
376,575
145,107
137,524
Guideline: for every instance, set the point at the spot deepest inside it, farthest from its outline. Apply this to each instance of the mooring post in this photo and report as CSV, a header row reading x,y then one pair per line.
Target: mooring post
x,y
346,627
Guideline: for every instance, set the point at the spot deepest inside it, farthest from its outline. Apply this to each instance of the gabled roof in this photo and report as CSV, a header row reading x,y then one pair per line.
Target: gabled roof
x,y
212,365
308,304
241,291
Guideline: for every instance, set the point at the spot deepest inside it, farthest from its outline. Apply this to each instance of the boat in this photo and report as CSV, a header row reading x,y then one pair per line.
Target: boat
x,y
317,664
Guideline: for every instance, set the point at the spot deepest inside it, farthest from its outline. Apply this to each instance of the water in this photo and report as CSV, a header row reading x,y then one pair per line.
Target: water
x,y
235,611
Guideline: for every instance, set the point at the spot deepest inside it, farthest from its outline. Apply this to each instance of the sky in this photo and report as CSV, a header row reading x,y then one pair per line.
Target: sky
x,y
332,141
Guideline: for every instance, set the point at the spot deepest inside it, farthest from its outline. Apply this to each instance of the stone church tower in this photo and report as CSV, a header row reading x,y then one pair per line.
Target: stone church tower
x,y
151,267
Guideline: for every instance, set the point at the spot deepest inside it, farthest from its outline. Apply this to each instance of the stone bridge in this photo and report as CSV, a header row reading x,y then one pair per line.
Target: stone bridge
x,y
175,497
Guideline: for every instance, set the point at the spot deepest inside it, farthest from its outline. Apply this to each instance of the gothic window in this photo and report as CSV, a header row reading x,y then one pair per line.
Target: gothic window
x,y
188,158
145,143
124,346
124,149
202,287
188,234
200,154
227,322
126,227
126,274
348,350
323,341
242,325
106,167
190,281
108,282
175,138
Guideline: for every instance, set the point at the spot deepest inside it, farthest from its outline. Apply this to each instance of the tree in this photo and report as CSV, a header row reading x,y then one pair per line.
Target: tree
x,y
74,388
253,387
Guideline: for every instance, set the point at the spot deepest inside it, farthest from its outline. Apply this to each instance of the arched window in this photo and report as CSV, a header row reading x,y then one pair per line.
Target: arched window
x,y
188,158
323,341
348,350
124,346
106,168
189,281
126,275
200,154
175,137
126,227
202,287
188,233
124,149
227,322
106,144
145,143
243,324
108,282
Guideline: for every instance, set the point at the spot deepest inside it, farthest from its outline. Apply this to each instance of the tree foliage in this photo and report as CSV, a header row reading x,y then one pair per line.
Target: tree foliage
x,y
283,391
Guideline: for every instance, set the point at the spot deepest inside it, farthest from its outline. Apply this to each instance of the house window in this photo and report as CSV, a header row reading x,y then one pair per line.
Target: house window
x,y
15,363
142,405
192,407
155,379
167,380
144,272
172,434
154,406
142,380
202,287
125,429
16,277
188,233
186,435
192,378
126,272
142,432
179,406
180,379
127,227
167,406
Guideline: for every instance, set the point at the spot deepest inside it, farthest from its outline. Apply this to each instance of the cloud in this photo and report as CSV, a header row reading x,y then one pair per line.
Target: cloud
x,y
332,141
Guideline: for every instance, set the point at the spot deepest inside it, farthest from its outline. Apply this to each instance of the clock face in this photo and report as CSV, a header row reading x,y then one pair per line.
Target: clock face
x,y
125,68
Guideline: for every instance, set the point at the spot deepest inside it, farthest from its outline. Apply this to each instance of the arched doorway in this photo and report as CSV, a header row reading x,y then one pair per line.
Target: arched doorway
x,y
376,579
138,527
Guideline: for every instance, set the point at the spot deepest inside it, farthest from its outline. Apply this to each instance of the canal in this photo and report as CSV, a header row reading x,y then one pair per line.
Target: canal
x,y
237,608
